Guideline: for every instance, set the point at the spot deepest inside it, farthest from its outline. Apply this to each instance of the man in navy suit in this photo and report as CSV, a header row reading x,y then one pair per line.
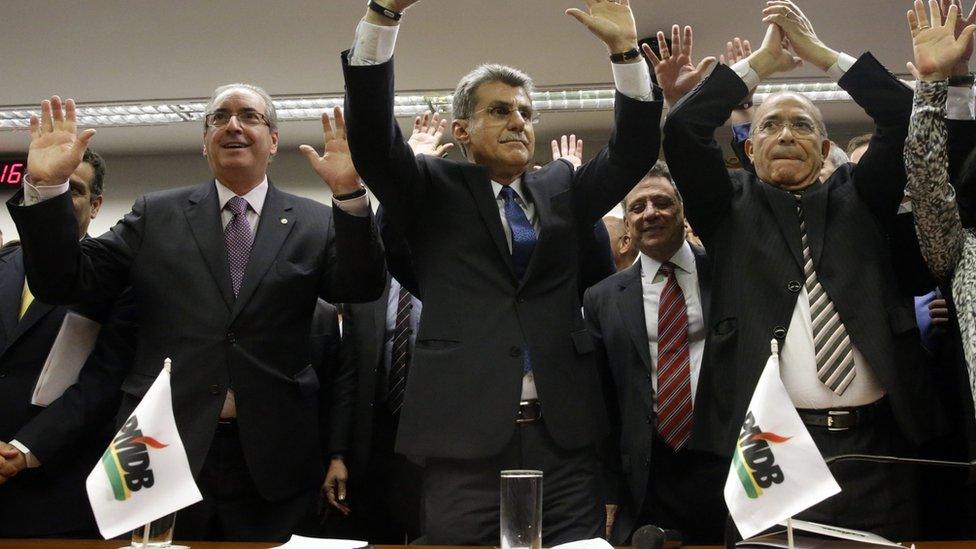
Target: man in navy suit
x,y
503,375
226,276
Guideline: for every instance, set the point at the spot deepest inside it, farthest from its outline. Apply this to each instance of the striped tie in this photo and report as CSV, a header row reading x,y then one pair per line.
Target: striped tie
x,y
835,354
400,357
673,363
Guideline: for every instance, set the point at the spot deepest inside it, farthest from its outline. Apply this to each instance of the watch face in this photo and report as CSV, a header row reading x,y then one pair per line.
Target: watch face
x,y
12,172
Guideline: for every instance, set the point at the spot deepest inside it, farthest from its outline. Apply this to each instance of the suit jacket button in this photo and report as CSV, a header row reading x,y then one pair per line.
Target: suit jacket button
x,y
779,332
514,352
520,299
3,373
647,462
231,337
794,286
650,419
215,389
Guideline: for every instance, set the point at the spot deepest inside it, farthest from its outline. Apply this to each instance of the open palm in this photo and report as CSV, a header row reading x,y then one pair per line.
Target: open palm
x,y
55,149
335,166
936,47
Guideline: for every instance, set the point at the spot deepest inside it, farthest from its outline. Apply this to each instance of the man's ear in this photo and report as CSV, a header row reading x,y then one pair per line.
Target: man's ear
x,y
747,146
459,129
95,205
825,148
274,142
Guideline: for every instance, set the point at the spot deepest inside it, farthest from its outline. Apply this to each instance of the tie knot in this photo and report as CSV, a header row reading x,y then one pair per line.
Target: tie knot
x,y
667,268
236,205
507,193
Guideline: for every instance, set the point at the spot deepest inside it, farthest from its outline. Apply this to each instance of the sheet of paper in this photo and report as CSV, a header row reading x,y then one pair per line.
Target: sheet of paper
x,y
595,543
70,350
842,533
303,542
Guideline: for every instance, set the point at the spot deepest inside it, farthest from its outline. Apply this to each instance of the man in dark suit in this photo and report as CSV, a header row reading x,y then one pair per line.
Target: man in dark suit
x,y
638,317
52,448
225,277
810,265
503,374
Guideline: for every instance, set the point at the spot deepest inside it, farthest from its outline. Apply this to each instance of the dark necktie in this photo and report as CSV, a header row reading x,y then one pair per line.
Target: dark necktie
x,y
835,354
238,240
523,242
400,355
523,234
674,408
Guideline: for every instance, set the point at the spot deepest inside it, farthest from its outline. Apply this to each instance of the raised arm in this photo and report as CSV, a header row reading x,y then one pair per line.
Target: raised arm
x,y
937,50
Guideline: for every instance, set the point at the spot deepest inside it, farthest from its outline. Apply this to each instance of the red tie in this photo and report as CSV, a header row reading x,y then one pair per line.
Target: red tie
x,y
673,364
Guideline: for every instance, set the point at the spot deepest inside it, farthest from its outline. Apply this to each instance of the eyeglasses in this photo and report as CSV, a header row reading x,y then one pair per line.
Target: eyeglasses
x,y
501,113
798,127
248,118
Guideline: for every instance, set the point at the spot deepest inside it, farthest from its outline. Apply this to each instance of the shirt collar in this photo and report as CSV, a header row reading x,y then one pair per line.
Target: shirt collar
x,y
683,259
255,197
515,185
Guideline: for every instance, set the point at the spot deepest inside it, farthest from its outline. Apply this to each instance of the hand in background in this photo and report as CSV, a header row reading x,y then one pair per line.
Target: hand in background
x,y
962,66
335,166
334,487
571,149
676,72
612,21
428,130
937,47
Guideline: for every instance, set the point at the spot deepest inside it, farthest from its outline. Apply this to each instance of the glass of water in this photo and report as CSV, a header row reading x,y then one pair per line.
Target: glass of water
x,y
160,534
521,509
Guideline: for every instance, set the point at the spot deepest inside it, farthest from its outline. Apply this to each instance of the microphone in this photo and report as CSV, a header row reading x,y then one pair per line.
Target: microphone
x,y
649,537
653,537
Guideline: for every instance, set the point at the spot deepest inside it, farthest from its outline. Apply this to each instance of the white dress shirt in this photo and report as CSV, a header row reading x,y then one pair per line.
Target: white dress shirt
x,y
652,284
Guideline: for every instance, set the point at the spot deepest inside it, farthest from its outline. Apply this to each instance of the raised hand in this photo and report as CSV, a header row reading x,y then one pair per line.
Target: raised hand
x,y
962,66
392,5
335,166
428,130
736,50
569,148
611,21
937,48
55,149
799,31
677,74
774,55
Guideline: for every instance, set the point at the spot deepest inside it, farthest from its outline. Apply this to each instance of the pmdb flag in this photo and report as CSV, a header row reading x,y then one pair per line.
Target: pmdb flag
x,y
144,473
776,469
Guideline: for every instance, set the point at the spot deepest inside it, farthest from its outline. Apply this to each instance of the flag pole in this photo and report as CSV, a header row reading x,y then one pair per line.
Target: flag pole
x,y
789,533
168,365
145,535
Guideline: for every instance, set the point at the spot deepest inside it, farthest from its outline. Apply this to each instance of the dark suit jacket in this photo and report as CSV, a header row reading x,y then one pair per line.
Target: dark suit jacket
x,y
479,319
752,234
68,436
614,312
339,383
170,249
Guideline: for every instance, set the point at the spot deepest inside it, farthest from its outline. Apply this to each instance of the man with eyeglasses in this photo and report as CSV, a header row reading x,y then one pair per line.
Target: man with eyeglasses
x,y
226,276
809,263
503,375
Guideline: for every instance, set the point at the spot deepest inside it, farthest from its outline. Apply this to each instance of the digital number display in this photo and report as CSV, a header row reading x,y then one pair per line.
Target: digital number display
x,y
12,171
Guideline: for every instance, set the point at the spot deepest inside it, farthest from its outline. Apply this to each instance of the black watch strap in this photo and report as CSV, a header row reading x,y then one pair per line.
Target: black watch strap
x,y
385,12
962,80
361,191
632,53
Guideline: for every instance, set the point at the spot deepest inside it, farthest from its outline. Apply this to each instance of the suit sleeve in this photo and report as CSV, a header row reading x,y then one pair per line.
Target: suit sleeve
x,y
63,271
635,142
398,259
608,450
694,156
94,399
355,267
339,387
880,175
596,256
344,390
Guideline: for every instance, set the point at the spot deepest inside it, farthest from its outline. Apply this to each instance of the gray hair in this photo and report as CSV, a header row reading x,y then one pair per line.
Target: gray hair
x,y
815,113
837,156
464,93
269,109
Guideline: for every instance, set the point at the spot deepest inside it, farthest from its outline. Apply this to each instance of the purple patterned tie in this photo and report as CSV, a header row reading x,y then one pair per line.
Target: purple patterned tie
x,y
238,240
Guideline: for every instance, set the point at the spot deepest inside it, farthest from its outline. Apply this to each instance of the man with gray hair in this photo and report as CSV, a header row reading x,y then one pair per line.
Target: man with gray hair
x,y
503,375
226,276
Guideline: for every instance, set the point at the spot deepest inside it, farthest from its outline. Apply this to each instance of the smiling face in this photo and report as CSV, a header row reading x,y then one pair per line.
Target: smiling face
x,y
238,154
655,218
505,145
787,146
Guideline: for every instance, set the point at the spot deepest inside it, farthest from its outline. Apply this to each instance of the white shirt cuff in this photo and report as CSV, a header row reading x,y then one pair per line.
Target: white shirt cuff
x,y
959,103
358,207
746,73
840,68
373,44
632,80
32,461
39,193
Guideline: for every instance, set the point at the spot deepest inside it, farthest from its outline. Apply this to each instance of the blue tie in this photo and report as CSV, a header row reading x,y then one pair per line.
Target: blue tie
x,y
523,242
523,234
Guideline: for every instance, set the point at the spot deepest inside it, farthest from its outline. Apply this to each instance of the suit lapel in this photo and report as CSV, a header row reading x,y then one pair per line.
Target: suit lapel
x,y
784,210
815,212
476,178
34,314
11,290
630,301
704,281
203,216
271,234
